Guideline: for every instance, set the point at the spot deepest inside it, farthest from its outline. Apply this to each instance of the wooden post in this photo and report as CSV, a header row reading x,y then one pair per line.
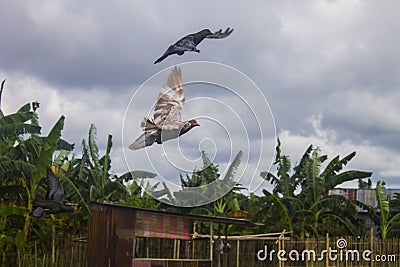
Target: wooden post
x,y
72,257
178,249
279,248
211,243
134,248
36,256
218,245
327,249
194,233
283,248
226,244
174,257
147,247
237,252
134,238
193,248
372,246
53,245
306,260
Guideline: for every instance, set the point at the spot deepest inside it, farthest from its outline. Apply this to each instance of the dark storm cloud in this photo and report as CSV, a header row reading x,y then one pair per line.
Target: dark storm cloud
x,y
73,44
364,116
337,61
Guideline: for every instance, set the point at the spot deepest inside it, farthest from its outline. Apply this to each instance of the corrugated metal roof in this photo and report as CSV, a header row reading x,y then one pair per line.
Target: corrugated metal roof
x,y
198,217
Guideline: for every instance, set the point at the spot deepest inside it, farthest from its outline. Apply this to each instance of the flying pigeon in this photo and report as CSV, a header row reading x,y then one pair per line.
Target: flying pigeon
x,y
166,123
189,42
54,202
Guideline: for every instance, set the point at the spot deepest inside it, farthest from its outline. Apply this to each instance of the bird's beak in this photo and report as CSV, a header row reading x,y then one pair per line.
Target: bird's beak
x,y
196,124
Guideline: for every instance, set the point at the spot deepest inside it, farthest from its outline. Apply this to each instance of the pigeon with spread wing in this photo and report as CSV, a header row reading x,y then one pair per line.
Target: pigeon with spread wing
x,y
189,42
54,202
166,123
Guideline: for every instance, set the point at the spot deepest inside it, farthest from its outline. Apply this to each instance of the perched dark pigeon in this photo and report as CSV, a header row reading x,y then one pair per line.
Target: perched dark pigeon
x,y
189,42
54,202
166,123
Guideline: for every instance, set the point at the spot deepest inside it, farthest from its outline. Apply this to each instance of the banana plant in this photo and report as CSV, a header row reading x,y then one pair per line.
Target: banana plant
x,y
91,173
25,154
197,187
387,221
301,194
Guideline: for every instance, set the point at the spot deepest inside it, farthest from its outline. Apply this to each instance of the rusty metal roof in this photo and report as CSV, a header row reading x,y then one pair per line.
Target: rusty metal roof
x,y
198,217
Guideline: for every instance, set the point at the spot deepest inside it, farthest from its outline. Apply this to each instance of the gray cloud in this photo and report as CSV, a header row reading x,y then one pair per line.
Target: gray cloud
x,y
334,64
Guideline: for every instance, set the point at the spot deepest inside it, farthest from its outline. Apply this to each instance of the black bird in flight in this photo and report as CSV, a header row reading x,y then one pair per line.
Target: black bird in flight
x,y
189,42
54,202
166,123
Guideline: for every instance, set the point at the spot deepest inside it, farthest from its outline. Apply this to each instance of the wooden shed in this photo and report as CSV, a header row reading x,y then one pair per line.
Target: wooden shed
x,y
116,234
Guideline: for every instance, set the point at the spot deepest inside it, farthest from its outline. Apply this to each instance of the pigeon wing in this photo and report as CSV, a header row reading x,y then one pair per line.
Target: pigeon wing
x,y
37,212
219,34
55,191
145,139
167,113
185,44
47,204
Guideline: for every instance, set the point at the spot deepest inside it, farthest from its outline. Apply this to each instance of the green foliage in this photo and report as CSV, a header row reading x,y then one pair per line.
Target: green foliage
x,y
300,196
141,198
204,184
91,173
364,185
1,93
24,156
385,215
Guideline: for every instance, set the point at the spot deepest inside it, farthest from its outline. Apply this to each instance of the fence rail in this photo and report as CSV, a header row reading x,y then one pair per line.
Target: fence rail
x,y
311,252
315,252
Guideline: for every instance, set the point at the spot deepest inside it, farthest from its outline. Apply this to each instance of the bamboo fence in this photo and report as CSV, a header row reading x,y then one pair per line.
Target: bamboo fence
x,y
71,251
242,252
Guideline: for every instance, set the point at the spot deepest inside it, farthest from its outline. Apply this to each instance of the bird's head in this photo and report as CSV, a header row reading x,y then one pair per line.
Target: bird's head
x,y
192,123
189,125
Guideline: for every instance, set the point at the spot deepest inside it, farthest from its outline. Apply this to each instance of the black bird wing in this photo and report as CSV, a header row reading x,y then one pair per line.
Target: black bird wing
x,y
47,204
55,191
219,34
37,212
184,44
167,113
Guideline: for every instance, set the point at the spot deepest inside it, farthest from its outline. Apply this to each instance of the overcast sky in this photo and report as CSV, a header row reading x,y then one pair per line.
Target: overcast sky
x,y
329,72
